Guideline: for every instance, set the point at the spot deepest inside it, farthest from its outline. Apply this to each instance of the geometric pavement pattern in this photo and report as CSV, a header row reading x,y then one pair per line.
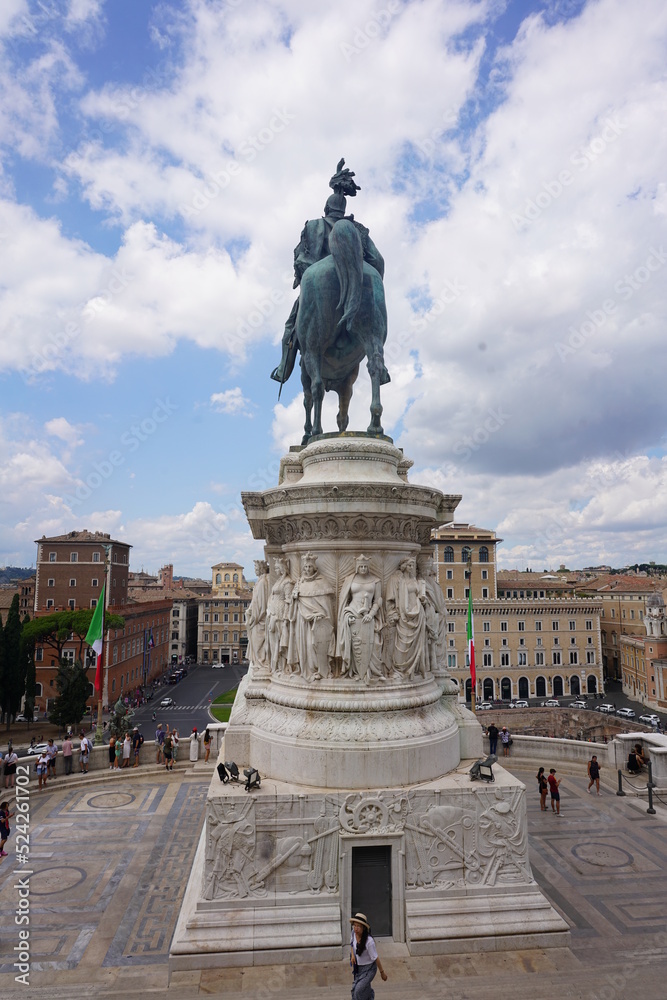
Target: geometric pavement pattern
x,y
110,869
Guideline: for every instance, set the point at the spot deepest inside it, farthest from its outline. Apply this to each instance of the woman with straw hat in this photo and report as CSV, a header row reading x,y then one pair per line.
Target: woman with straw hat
x,y
363,959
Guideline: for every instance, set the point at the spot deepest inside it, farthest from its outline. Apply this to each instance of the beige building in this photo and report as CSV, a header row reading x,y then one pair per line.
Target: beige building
x,y
537,644
623,601
221,631
644,657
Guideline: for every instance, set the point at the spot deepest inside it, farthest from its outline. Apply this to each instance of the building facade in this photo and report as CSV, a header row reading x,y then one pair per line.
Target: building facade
x,y
644,658
221,631
70,571
460,549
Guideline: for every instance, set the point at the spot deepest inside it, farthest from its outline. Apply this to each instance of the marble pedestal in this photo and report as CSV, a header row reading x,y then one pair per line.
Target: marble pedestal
x,y
354,724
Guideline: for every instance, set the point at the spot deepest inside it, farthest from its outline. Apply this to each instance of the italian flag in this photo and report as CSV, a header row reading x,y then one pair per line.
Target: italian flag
x,y
470,631
95,638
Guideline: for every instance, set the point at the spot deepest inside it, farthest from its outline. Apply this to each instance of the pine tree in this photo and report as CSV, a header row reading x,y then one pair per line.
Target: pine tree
x,y
28,665
73,686
13,675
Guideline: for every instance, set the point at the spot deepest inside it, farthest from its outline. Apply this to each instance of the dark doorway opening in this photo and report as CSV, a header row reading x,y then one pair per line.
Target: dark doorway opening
x,y
371,887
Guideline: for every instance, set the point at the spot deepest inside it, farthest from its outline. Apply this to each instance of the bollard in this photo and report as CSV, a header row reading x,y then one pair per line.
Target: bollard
x,y
650,787
620,783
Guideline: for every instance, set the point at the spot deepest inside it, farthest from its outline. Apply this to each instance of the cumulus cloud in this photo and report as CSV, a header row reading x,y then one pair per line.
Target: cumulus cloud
x,y
232,402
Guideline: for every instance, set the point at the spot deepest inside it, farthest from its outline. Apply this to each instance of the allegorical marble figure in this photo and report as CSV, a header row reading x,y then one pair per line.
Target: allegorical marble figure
x,y
256,617
436,615
312,643
359,642
405,611
278,616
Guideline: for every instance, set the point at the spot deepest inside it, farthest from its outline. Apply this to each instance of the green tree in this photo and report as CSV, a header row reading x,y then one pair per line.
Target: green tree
x,y
13,676
56,630
72,685
28,661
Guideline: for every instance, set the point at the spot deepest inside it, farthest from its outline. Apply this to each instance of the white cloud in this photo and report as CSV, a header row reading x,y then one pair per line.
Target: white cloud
x,y
61,428
233,402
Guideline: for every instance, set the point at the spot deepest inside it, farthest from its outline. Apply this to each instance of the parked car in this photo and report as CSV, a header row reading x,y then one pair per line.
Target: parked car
x,y
39,748
166,703
650,720
486,706
519,704
551,703
607,709
578,704
626,713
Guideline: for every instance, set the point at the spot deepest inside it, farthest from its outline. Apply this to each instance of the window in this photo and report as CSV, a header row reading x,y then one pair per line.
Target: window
x,y
466,593
589,640
522,641
485,574
451,626
573,625
487,659
555,658
122,651
115,654
589,625
74,557
613,612
451,659
226,577
96,557
236,637
216,617
522,659
483,554
39,654
49,603
218,578
206,617
554,625
503,626
538,626
447,555
504,642
485,591
504,659
52,557
590,656
466,553
51,582
450,592
539,659
556,641
236,617
452,643
632,614
93,602
574,657
71,604
521,625
94,582
487,642
235,578
205,636
215,637
450,574
175,613
72,582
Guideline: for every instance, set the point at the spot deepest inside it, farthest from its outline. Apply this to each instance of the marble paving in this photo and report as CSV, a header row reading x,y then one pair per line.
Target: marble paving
x,y
110,867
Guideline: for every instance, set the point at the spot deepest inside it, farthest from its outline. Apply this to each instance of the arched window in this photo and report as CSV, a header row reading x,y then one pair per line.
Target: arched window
x,y
226,577
218,578
236,578
465,553
448,553
483,554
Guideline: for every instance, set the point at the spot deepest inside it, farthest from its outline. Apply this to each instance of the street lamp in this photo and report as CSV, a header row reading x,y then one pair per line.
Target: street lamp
x,y
105,650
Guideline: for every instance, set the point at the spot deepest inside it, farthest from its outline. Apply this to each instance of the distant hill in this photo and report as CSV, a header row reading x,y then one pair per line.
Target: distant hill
x,y
9,573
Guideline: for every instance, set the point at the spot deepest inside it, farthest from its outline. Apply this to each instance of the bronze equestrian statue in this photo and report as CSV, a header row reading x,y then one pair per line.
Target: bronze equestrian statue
x,y
340,317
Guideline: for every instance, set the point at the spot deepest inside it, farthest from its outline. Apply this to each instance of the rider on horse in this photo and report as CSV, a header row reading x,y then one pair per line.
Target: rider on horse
x,y
314,246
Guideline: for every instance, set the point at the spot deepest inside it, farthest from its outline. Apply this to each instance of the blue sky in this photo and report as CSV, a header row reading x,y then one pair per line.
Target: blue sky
x,y
157,161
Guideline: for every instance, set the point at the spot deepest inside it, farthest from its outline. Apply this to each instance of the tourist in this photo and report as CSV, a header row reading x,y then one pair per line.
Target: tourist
x,y
112,753
207,745
167,751
594,773
137,740
363,958
11,757
42,761
543,787
5,815
493,734
118,750
127,747
506,740
159,741
554,783
67,753
175,740
51,753
84,752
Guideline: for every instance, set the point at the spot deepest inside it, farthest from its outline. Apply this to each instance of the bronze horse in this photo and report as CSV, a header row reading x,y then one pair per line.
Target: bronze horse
x,y
342,319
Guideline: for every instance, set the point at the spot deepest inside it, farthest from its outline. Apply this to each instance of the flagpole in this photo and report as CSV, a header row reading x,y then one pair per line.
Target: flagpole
x,y
100,726
473,683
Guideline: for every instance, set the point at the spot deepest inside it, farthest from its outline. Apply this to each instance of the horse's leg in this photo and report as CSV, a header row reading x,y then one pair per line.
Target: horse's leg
x,y
312,363
375,366
344,397
307,403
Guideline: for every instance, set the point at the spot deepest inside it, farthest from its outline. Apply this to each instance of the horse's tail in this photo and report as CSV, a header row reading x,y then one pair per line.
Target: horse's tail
x,y
347,253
